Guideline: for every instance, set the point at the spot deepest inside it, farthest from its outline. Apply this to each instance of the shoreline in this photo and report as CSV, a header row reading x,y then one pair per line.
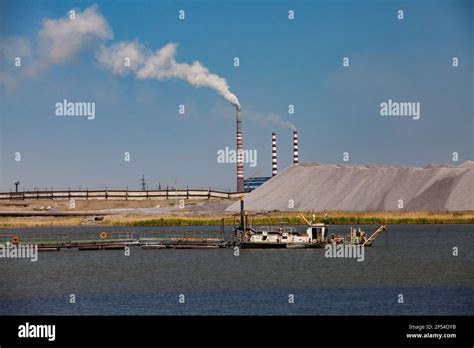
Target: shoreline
x,y
215,219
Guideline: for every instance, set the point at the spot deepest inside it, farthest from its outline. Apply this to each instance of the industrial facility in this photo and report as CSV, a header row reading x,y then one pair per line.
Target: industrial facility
x,y
252,183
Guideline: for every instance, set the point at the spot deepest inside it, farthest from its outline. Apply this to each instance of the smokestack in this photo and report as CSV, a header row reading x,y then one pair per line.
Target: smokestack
x,y
274,154
295,147
240,163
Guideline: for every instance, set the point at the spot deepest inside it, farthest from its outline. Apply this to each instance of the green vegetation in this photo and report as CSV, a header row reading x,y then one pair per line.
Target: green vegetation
x,y
339,218
271,218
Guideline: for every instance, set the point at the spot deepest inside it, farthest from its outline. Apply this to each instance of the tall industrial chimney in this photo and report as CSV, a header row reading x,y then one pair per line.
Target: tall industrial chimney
x,y
240,161
274,154
295,147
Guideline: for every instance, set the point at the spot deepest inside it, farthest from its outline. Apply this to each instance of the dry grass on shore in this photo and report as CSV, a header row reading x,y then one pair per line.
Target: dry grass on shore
x,y
187,219
274,218
31,222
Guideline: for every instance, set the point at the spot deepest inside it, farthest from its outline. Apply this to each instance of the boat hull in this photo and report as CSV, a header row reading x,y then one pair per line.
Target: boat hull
x,y
266,245
262,245
305,246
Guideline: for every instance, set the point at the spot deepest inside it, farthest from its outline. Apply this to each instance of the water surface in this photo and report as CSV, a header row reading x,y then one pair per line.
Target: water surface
x,y
415,261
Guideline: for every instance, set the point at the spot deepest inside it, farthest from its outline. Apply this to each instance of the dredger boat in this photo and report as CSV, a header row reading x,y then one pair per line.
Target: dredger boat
x,y
284,237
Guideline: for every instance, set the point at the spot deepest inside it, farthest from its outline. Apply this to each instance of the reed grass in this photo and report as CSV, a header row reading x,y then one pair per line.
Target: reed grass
x,y
339,218
21,222
272,218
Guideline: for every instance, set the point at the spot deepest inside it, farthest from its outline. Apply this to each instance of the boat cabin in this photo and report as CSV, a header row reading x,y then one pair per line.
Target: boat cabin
x,y
318,232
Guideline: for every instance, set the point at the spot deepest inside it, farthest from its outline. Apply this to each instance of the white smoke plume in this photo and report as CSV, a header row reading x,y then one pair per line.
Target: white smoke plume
x,y
113,57
268,119
12,47
161,65
276,119
59,40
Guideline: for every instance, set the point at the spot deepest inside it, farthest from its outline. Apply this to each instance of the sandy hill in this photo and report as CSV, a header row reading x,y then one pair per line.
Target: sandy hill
x,y
320,187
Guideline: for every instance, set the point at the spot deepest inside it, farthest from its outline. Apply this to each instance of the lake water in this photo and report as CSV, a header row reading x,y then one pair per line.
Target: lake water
x,y
415,261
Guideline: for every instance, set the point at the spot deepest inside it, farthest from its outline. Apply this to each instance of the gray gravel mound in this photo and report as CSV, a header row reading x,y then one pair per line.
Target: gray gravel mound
x,y
320,187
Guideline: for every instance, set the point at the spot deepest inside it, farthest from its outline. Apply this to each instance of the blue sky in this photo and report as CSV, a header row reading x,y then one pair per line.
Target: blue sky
x,y
282,62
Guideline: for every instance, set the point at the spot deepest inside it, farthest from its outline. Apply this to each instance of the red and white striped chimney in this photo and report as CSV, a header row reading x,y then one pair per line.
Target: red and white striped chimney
x,y
240,154
295,147
274,154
